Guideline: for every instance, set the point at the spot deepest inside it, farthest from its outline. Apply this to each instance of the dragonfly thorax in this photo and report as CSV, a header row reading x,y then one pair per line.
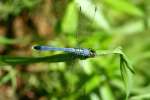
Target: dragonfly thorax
x,y
87,53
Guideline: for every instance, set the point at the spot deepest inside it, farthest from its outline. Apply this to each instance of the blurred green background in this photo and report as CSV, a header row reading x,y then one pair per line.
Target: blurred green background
x,y
97,24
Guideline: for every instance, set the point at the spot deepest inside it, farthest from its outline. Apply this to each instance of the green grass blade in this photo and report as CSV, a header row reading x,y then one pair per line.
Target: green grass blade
x,y
29,60
124,65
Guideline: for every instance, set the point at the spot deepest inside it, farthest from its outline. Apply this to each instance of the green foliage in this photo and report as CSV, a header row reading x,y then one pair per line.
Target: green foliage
x,y
122,6
101,25
106,92
69,25
4,40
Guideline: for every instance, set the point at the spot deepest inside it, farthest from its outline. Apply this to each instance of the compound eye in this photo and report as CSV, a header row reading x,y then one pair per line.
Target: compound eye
x,y
92,51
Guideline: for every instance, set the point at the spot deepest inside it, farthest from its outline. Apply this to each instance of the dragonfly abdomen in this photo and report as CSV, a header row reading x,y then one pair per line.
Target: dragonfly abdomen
x,y
49,48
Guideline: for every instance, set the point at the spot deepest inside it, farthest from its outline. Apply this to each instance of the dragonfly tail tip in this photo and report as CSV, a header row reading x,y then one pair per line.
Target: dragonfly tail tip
x,y
36,47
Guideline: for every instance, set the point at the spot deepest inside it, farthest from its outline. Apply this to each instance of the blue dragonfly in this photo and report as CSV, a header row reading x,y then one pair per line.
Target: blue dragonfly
x,y
81,52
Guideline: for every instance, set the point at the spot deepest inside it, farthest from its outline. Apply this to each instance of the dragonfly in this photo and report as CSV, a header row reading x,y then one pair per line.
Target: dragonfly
x,y
81,52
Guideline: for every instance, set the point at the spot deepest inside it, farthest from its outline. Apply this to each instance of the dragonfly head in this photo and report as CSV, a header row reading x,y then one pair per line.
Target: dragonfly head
x,y
92,52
